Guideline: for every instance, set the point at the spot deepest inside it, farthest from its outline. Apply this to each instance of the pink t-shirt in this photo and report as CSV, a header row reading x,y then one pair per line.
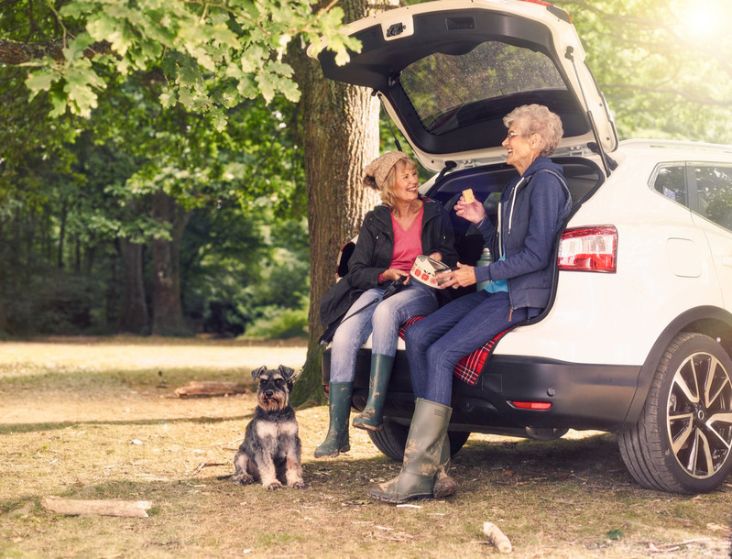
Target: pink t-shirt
x,y
407,243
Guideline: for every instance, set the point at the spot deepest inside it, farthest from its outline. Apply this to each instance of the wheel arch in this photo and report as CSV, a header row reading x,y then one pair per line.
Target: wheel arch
x,y
712,321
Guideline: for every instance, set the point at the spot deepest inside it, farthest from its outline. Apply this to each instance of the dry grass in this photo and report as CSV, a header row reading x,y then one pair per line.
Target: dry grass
x,y
70,411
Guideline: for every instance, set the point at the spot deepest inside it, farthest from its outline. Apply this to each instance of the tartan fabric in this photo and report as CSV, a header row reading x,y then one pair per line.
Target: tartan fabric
x,y
469,367
405,326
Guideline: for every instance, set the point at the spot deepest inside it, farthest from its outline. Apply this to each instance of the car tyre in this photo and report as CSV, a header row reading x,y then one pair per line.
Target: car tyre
x,y
392,439
682,441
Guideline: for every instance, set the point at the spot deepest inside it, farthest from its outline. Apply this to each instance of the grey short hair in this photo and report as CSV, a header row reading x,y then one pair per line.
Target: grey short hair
x,y
537,119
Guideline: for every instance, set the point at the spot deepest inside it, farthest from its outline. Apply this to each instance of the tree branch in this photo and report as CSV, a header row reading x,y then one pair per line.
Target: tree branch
x,y
13,53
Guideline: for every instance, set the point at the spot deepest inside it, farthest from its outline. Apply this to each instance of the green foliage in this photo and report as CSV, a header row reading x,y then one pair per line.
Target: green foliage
x,y
211,55
62,303
71,190
662,75
278,323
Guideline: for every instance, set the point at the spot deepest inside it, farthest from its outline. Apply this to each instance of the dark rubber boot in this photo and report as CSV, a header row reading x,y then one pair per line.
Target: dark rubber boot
x,y
423,455
339,406
372,416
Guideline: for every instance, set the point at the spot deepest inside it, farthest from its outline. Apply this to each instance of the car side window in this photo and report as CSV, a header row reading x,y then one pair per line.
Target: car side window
x,y
671,182
714,192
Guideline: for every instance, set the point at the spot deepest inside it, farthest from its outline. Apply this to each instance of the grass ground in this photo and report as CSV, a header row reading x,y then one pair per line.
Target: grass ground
x,y
96,419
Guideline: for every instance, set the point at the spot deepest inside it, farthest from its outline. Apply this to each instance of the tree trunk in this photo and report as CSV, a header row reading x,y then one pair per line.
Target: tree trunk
x,y
167,306
339,125
62,236
134,317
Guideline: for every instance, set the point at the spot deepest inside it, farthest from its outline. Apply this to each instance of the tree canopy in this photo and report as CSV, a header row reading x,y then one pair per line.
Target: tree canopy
x,y
208,56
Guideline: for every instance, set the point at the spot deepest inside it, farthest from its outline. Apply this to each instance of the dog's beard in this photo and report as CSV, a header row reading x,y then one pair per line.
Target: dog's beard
x,y
277,402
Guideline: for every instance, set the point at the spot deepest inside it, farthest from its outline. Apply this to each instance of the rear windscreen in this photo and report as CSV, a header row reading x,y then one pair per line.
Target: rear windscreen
x,y
452,90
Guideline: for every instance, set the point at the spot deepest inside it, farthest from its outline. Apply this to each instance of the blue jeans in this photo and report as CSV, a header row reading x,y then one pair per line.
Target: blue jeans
x,y
437,343
383,319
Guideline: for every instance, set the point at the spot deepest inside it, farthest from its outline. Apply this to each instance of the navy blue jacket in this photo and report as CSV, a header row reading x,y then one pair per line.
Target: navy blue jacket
x,y
530,214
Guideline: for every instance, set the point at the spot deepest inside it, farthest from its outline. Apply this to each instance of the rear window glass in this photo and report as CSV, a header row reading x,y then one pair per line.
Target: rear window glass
x,y
446,89
714,189
671,182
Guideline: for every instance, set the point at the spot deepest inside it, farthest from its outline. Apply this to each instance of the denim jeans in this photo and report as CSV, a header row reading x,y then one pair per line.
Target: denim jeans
x,y
383,319
437,343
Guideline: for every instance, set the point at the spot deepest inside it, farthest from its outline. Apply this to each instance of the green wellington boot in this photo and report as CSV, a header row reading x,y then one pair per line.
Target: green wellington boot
x,y
339,406
372,416
423,455
445,485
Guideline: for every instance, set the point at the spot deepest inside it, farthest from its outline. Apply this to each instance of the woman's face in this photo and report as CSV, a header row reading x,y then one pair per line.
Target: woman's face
x,y
521,149
406,183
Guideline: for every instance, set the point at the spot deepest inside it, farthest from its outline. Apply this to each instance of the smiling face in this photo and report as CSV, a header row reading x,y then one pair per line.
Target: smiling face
x,y
521,148
406,182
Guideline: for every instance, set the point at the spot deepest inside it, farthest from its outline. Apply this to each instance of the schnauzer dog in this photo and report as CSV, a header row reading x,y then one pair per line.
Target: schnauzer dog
x,y
271,449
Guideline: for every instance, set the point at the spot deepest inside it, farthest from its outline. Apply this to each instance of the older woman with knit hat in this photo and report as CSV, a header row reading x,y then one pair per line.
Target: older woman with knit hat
x,y
393,234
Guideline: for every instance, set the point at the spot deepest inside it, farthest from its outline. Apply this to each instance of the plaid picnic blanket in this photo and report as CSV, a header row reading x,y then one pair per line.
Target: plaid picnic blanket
x,y
469,367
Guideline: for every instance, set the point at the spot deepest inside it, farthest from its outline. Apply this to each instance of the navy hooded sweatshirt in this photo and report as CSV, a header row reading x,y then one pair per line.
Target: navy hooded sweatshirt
x,y
530,214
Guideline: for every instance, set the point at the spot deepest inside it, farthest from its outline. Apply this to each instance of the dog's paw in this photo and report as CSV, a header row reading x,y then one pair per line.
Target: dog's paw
x,y
300,484
242,479
271,486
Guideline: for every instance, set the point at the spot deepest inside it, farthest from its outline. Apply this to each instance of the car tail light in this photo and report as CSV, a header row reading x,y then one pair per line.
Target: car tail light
x,y
535,406
589,249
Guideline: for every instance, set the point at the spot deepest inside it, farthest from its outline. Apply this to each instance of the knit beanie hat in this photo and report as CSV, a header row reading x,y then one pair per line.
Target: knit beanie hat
x,y
375,173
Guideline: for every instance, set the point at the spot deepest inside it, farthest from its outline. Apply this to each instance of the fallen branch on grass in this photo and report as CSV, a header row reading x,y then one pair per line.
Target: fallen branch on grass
x,y
671,547
208,388
203,465
497,538
76,507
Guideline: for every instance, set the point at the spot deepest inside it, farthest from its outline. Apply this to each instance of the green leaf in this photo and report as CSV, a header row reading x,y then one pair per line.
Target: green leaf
x,y
59,105
266,87
40,80
77,47
101,26
615,534
82,99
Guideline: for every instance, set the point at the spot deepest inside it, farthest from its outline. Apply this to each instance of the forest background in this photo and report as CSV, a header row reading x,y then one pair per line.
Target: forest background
x,y
159,160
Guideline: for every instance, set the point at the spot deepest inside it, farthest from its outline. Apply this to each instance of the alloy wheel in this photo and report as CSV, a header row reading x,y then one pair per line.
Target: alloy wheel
x,y
699,412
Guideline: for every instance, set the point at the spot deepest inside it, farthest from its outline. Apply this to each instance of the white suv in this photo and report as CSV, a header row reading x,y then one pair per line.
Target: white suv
x,y
638,337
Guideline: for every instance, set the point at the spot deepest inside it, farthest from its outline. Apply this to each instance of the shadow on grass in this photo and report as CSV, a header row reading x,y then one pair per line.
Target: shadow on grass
x,y
595,456
345,480
93,381
13,428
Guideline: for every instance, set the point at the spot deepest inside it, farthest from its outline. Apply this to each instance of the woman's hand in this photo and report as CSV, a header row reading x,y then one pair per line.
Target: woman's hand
x,y
473,212
463,276
391,274
436,256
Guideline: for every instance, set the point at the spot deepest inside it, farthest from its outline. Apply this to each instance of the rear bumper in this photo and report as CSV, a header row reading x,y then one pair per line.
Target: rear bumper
x,y
582,396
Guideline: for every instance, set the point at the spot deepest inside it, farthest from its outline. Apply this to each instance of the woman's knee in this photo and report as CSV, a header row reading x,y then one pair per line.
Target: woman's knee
x,y
343,339
414,338
441,359
384,317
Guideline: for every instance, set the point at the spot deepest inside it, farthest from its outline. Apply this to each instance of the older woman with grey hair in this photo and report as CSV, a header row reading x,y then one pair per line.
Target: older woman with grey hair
x,y
532,211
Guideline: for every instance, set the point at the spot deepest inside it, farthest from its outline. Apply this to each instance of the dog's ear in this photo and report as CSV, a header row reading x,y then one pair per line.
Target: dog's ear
x,y
259,371
286,372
